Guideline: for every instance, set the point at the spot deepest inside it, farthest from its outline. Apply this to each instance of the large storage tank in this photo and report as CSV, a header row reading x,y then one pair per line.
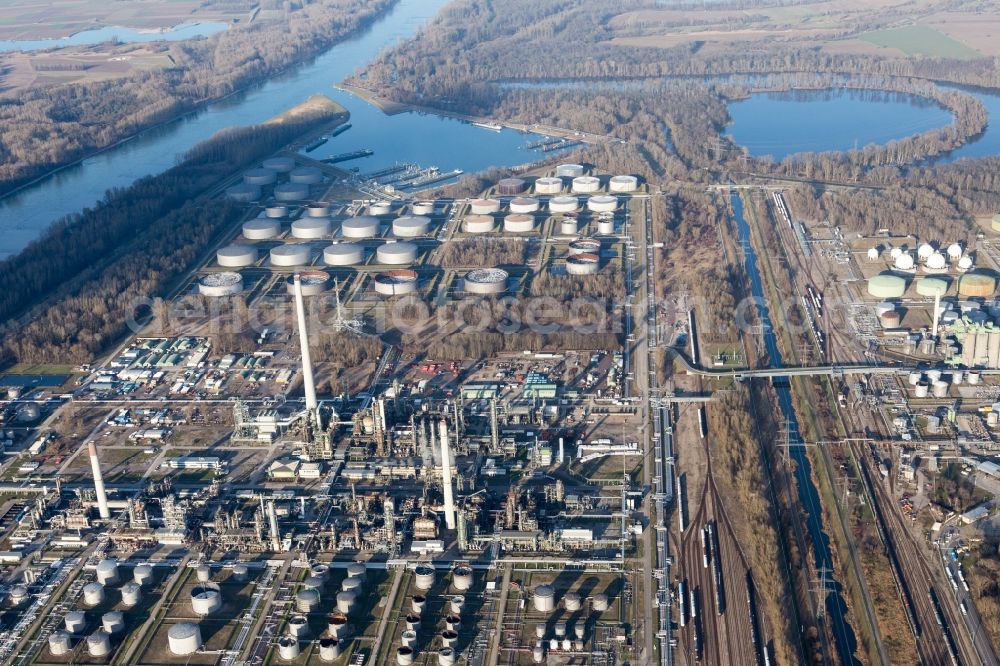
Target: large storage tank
x,y
524,205
904,262
623,184
411,226
564,204
544,599
220,284
75,622
462,578
484,206
510,186
548,185
572,602
131,594
486,281
318,209
518,223
936,262
306,176
261,229
206,599
329,649
93,594
343,254
291,192
478,224
569,170
143,574
290,255
288,648
886,286
107,572
584,246
18,595
313,283
976,285
243,193
424,577
59,643
380,208
602,203
606,226
404,656
423,208
235,256
346,602
113,622
932,287
184,638
395,283
260,177
569,226
336,624
352,584
600,603
311,228
306,600
360,227
583,264
396,253
276,212
586,184
279,164
298,626
240,573
99,644
357,570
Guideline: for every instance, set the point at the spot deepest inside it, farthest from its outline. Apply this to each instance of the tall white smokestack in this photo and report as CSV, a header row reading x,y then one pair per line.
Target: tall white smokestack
x,y
102,496
307,370
562,452
449,500
937,314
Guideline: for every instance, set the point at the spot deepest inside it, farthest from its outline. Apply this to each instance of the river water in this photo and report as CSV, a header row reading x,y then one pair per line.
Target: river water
x,y
425,139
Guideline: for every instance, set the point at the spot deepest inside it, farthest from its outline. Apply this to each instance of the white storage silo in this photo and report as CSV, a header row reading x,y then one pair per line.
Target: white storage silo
x,y
544,599
243,193
318,209
131,594
276,212
396,254
572,602
583,264
411,226
206,598
357,570
143,574
311,228
462,578
60,643
343,254
423,208
235,256
279,164
306,600
447,656
524,205
418,603
584,246
360,227
569,226
290,255
75,622
606,226
478,224
184,638
352,584
395,283
518,223
486,281
220,284
623,184
113,622
424,576
306,176
484,206
93,594
548,185
288,648
564,204
602,203
380,208
456,604
99,644
569,170
312,283
260,176
346,602
329,649
586,184
291,192
298,626
261,229
240,573
510,186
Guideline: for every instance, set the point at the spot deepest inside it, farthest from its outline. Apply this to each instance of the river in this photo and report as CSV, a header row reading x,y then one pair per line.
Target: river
x,y
421,138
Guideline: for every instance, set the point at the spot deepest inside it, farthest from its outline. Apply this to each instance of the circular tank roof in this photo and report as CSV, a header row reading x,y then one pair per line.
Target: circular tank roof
x,y
487,275
886,286
932,287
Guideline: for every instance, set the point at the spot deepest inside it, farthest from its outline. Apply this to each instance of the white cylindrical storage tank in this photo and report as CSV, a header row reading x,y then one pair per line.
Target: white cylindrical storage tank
x,y
540,630
413,621
606,226
107,572
560,630
203,573
567,645
288,648
623,184
395,283
240,573
336,624
93,594
965,263
357,570
579,630
873,254
936,262
524,205
424,577
143,575
957,376
18,594
446,656
306,176
940,389
569,226
311,228
602,203
973,377
313,583
418,603
409,638
449,637
343,254
924,251
380,208
564,204
260,177
404,656
453,622
99,644
478,224
895,253
59,643
205,599
423,208
462,578
279,164
584,246
291,192
184,638
544,599
933,375
318,209
131,594
486,281
360,227
306,600
583,264
297,626
510,186
352,584
261,229
276,212
320,571
220,284
457,604
113,622
484,206
572,602
954,252
346,601
538,654
904,262
921,389
243,193
519,223
75,622
312,283
914,377
569,170
411,226
329,649
396,254
586,184
548,185
290,255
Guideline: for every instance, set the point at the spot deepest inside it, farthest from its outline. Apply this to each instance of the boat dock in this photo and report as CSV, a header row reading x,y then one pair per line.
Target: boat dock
x,y
345,157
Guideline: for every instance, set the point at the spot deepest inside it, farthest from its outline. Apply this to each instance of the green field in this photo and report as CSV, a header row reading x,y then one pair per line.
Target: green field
x,y
920,40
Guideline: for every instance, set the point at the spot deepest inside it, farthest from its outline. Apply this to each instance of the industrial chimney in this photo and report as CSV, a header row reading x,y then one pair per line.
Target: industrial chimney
x,y
102,496
307,371
449,500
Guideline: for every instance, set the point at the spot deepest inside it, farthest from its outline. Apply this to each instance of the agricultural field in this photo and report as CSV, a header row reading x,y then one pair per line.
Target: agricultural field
x,y
920,40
